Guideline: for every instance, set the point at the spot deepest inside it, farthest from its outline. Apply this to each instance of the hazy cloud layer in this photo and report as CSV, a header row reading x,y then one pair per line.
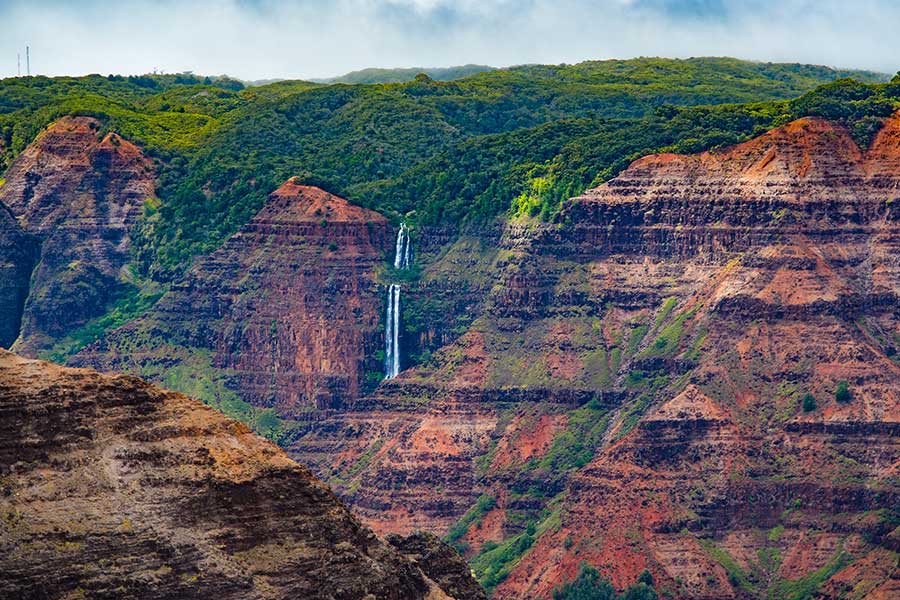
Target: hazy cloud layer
x,y
255,39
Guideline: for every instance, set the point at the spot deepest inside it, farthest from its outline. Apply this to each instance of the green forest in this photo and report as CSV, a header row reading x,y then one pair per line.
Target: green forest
x,y
457,153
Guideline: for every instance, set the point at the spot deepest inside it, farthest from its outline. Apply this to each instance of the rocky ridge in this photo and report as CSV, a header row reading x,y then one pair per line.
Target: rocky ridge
x,y
110,487
285,314
78,191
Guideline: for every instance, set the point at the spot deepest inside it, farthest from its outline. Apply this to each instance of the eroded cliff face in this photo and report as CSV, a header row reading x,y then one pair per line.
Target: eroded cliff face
x,y
18,253
623,386
286,314
781,256
79,193
632,392
110,487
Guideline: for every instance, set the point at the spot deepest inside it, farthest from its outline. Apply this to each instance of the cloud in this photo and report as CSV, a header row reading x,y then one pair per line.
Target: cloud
x,y
255,39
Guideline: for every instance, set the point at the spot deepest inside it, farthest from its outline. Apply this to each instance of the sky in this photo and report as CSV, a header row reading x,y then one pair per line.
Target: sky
x,y
262,39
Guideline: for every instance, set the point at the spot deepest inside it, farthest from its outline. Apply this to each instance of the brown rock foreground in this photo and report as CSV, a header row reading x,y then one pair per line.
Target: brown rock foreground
x,y
112,488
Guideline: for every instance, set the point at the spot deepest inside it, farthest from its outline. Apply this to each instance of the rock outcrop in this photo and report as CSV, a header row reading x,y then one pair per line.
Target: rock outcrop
x,y
633,392
439,562
111,488
285,314
79,192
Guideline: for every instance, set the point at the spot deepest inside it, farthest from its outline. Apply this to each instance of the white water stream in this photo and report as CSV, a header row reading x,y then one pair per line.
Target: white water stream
x,y
392,322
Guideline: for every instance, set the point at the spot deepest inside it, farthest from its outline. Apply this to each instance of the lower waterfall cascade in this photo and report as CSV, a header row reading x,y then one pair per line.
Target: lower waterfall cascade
x,y
402,254
392,333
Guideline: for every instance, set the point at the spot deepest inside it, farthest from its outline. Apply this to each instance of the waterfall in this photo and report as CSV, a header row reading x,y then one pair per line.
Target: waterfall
x,y
392,333
401,254
392,318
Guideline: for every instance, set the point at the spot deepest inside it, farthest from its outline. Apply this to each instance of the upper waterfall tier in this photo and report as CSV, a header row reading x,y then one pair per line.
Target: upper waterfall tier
x,y
402,253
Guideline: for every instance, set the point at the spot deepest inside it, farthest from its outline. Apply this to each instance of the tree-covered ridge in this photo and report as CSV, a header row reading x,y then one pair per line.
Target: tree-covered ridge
x,y
455,152
402,75
156,110
671,81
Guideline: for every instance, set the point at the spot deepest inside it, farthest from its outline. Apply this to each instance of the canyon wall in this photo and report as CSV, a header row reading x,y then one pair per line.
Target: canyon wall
x,y
285,314
731,483
633,392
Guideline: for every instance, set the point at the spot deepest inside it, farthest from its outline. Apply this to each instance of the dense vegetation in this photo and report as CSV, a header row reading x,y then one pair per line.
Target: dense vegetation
x,y
160,111
842,392
453,153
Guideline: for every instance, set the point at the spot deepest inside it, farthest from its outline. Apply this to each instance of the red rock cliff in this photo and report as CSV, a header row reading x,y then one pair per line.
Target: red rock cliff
x,y
287,310
781,257
634,386
79,193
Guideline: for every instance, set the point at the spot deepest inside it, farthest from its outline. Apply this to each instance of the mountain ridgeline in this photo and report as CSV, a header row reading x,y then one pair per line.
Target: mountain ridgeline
x,y
621,327
455,152
402,75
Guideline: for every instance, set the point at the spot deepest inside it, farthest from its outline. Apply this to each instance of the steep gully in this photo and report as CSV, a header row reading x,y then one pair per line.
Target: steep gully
x,y
75,194
630,392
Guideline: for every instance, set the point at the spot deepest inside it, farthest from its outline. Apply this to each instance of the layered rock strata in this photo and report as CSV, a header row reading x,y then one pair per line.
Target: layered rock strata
x,y
633,392
111,488
285,314
78,191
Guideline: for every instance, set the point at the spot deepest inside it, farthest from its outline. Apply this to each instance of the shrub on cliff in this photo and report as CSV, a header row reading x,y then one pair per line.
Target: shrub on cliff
x,y
809,403
639,591
842,393
587,585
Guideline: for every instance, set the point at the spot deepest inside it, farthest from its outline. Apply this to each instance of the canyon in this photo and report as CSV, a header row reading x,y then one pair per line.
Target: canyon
x,y
630,394
18,253
649,381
